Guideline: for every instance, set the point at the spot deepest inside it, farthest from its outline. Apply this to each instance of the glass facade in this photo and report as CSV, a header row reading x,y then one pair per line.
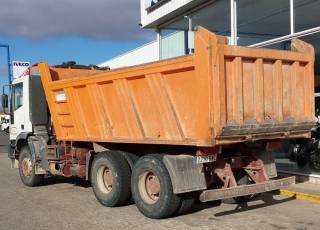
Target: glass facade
x,y
258,21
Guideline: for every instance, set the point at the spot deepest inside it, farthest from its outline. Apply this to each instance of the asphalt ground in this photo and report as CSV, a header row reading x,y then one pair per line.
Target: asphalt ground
x,y
69,203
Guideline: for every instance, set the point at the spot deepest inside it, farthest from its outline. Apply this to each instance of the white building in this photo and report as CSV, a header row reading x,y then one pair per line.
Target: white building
x,y
257,23
245,22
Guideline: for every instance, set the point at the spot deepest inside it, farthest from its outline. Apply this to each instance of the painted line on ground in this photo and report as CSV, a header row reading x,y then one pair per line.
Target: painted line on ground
x,y
298,195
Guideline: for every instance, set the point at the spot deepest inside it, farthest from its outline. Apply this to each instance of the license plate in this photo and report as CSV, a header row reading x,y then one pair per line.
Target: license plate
x,y
204,159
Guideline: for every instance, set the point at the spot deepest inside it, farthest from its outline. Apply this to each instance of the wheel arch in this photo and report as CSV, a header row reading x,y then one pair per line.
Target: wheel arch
x,y
26,139
21,141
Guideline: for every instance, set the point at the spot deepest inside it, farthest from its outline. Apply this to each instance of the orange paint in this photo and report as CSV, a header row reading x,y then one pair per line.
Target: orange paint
x,y
220,95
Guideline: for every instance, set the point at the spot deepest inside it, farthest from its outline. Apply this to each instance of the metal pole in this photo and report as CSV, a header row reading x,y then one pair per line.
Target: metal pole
x,y
189,34
159,43
8,61
292,18
232,22
235,42
233,17
8,64
287,37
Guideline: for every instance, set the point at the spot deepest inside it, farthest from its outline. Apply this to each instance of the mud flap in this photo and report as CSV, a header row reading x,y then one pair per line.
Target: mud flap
x,y
267,157
185,175
37,150
89,158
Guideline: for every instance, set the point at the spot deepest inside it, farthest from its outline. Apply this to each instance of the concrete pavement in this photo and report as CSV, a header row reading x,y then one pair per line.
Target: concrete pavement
x,y
69,203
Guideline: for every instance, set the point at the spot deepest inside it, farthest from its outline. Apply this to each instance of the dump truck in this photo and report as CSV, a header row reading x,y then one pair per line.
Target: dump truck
x,y
162,134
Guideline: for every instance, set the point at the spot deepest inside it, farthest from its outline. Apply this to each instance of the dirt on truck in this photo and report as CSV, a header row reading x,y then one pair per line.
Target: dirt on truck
x,y
164,133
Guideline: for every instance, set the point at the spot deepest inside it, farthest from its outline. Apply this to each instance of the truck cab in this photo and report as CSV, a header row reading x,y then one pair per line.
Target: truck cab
x,y
19,108
22,108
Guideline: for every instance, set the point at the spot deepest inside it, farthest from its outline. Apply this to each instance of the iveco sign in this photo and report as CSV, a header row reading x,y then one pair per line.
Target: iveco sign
x,y
26,64
150,3
20,69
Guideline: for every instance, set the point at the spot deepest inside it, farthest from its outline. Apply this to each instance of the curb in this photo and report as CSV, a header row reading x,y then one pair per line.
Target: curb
x,y
298,195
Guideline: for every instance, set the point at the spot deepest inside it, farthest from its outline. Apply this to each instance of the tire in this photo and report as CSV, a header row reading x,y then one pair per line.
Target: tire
x,y
314,163
187,201
242,179
7,130
131,158
110,179
27,170
302,158
149,173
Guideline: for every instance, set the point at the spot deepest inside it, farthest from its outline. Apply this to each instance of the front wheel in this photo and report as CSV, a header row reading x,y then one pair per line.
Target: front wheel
x,y
152,188
27,170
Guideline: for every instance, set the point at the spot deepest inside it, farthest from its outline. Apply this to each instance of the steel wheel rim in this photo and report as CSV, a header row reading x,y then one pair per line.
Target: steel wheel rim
x,y
149,187
26,167
104,179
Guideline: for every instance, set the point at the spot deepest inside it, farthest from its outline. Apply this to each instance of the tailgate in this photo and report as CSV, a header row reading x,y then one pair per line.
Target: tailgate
x,y
257,93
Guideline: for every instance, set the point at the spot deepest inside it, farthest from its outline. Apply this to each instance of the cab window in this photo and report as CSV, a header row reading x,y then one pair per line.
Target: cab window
x,y
18,96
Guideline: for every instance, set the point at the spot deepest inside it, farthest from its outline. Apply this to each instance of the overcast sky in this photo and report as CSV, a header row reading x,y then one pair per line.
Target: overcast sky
x,y
95,19
59,30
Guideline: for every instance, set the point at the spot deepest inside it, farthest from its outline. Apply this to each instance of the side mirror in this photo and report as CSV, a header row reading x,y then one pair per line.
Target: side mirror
x,y
4,101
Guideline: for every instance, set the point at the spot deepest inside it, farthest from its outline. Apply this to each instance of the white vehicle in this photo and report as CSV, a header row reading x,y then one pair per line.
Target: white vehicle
x,y
5,124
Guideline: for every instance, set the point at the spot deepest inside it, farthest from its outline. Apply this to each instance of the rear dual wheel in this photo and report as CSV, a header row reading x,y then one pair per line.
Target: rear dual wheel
x,y
187,201
110,179
152,188
150,182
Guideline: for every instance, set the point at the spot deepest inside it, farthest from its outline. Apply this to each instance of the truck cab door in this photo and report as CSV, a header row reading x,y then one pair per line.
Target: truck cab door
x,y
19,106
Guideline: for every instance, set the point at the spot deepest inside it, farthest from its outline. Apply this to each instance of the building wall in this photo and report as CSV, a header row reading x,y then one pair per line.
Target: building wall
x,y
173,45
143,54
148,17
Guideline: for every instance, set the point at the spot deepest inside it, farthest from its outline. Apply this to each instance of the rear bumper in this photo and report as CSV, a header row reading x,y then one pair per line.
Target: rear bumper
x,y
218,194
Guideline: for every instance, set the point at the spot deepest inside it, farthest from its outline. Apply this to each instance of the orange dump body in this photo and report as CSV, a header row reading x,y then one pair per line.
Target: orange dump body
x,y
220,95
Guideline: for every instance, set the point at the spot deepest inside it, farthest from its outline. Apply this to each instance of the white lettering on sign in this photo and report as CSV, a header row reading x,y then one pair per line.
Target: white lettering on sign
x,y
26,64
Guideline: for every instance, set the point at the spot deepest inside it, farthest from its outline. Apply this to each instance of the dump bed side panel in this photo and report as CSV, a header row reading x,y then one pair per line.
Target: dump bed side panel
x,y
220,95
151,103
255,93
